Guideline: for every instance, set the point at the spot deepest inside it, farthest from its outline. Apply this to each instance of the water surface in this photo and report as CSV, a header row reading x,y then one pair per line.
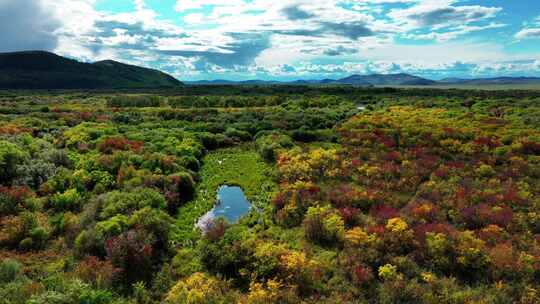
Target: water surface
x,y
232,204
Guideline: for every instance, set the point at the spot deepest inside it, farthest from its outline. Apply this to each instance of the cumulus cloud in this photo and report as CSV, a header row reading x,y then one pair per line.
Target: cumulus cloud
x,y
271,38
241,52
532,32
184,5
528,33
26,25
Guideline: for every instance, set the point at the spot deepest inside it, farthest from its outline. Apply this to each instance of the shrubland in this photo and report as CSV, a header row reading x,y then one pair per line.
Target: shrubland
x,y
360,196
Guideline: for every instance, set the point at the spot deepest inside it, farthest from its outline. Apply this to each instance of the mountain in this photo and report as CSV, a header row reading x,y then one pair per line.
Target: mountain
x,y
358,80
385,79
44,70
492,81
381,80
232,82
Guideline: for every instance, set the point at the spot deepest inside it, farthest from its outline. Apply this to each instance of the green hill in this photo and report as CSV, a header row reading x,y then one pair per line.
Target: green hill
x,y
44,70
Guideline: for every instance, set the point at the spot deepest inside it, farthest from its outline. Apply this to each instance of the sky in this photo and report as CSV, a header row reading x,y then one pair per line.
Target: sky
x,y
285,39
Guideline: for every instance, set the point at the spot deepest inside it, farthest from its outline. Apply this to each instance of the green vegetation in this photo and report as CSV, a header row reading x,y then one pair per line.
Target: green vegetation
x,y
239,166
360,195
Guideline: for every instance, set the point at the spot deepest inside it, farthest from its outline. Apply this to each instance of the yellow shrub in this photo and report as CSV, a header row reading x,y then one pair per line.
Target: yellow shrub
x,y
261,294
199,288
357,236
396,225
388,272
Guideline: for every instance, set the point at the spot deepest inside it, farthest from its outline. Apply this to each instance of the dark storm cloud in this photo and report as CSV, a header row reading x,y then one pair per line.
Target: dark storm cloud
x,y
296,13
25,25
242,52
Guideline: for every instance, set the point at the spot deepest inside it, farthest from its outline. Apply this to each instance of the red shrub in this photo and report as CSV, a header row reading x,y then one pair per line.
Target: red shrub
x,y
12,198
420,231
449,132
362,274
442,172
504,263
492,234
530,147
383,212
13,130
119,143
132,253
375,230
215,230
85,116
456,165
280,200
489,142
96,272
349,214
392,156
16,193
511,195
423,210
485,214
103,118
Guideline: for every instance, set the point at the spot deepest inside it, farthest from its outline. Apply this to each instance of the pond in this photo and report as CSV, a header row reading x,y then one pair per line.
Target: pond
x,y
232,204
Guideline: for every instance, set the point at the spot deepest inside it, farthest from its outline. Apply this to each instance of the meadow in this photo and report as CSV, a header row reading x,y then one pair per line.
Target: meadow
x,y
361,195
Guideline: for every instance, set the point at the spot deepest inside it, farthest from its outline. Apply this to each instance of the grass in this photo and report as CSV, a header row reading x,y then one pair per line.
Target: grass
x,y
240,166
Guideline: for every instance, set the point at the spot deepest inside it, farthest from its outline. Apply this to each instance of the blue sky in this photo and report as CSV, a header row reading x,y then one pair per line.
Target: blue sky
x,y
286,39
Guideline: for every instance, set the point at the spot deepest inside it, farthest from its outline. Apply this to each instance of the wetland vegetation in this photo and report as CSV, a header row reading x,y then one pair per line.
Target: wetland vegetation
x,y
358,196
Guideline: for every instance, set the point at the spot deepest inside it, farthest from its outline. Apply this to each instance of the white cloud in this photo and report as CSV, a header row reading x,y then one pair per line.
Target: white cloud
x,y
528,33
241,37
183,5
454,32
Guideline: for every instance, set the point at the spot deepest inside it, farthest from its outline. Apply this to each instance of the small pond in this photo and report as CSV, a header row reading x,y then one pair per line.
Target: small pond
x,y
232,204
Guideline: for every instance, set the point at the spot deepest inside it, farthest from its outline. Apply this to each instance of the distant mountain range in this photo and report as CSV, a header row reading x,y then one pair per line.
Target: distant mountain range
x,y
44,70
492,81
382,80
359,80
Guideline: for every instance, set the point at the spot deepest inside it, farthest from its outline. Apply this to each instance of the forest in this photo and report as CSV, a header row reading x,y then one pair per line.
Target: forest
x,y
359,195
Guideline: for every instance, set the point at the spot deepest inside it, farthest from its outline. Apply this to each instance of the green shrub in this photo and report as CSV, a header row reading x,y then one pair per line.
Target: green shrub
x,y
237,134
191,163
69,200
9,270
113,226
117,202
10,157
138,101
323,226
90,242
269,143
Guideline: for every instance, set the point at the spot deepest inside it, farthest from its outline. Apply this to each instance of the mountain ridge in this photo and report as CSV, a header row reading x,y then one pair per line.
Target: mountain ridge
x,y
46,70
399,79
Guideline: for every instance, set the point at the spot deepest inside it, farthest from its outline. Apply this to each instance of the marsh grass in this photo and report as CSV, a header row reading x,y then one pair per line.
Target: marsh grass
x,y
239,166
